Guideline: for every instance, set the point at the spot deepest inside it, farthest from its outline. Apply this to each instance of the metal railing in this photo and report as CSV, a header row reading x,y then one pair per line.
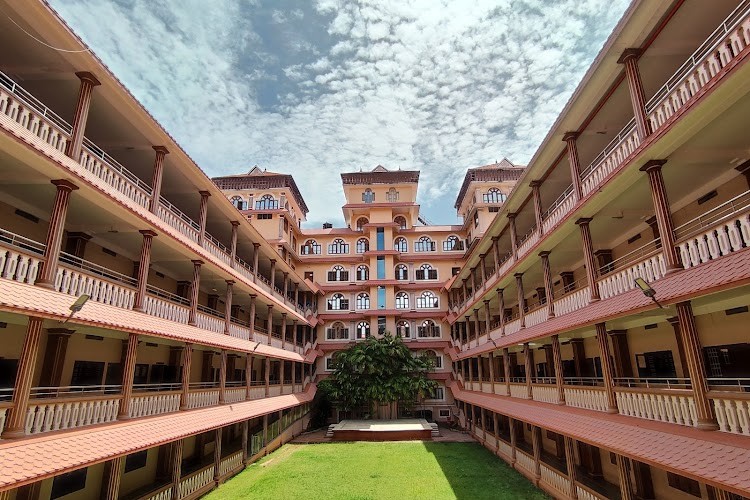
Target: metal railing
x,y
33,103
74,390
117,166
163,294
714,216
654,382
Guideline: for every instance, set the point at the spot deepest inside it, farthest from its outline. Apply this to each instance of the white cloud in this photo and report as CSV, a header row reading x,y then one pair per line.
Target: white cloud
x,y
437,86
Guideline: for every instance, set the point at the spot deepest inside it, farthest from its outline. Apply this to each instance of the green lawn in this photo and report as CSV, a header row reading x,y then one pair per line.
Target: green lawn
x,y
395,470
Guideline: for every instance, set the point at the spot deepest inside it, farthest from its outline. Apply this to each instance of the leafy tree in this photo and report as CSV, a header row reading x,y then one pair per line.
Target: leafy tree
x,y
376,372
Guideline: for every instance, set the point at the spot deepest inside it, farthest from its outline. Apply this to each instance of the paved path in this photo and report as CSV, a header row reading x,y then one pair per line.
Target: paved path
x,y
446,436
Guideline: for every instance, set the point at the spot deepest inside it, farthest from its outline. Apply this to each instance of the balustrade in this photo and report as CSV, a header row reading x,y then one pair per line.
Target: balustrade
x,y
209,322
217,249
587,494
519,391
614,154
235,395
586,397
504,448
202,398
76,282
674,406
257,392
46,416
163,493
143,405
106,168
274,390
572,301
18,266
238,331
527,242
727,236
512,326
230,463
525,461
538,315
650,269
195,481
559,209
732,412
556,480
543,393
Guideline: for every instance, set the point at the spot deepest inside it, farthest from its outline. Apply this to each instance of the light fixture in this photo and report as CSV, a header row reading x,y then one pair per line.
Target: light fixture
x,y
77,305
647,290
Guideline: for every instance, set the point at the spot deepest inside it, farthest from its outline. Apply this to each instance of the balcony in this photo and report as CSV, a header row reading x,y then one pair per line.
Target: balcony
x,y
19,108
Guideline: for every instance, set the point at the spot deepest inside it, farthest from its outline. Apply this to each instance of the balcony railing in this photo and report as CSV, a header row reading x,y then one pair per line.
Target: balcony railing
x,y
558,209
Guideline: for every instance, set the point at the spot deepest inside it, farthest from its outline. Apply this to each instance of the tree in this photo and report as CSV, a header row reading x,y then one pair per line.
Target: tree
x,y
378,372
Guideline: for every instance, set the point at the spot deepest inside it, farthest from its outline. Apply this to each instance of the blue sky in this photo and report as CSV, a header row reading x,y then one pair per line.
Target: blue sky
x,y
315,88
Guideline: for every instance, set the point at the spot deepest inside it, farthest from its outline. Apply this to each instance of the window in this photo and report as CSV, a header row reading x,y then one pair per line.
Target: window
x,y
400,245
266,202
67,483
87,373
657,364
363,273
363,330
453,243
380,262
338,303
330,363
381,325
428,329
402,272
363,301
427,300
437,361
424,244
444,413
311,247
338,246
380,238
338,273
476,218
392,195
436,394
136,460
264,216
381,297
337,331
368,196
309,275
494,195
239,203
401,221
361,223
363,245
402,300
682,483
426,272
403,329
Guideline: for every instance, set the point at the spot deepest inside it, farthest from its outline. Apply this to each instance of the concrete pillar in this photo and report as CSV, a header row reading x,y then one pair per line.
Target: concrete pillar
x,y
203,214
528,360
663,214
629,58
548,289
606,362
194,291
537,199
513,235
157,176
570,139
228,307
588,254
187,363
48,271
143,268
128,375
559,379
521,299
81,114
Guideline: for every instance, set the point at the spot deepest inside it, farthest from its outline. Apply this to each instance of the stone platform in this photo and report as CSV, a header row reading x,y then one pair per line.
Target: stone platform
x,y
382,430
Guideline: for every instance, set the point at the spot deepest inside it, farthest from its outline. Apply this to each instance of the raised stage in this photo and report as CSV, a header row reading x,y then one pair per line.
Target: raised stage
x,y
407,429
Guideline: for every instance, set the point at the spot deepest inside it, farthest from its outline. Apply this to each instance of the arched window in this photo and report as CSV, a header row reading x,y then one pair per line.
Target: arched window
x,y
337,331
403,329
452,243
338,246
437,361
427,300
428,329
392,195
338,303
494,195
363,245
363,273
401,221
363,301
338,273
400,245
266,202
424,244
402,272
426,272
363,330
368,196
311,247
402,300
361,223
239,203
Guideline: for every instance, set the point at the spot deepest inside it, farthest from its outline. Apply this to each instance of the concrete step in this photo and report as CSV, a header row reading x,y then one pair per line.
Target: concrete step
x,y
435,430
329,432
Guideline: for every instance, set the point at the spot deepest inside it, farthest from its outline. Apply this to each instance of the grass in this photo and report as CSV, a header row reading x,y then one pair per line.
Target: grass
x,y
364,471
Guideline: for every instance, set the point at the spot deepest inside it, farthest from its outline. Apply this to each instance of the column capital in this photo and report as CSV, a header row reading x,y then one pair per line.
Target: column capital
x,y
197,262
283,315
518,275
486,301
570,136
204,194
286,274
256,245
535,184
64,184
630,53
544,254
160,149
148,232
230,282
253,296
652,165
584,221
88,77
499,290
235,223
495,239
511,215
273,261
270,307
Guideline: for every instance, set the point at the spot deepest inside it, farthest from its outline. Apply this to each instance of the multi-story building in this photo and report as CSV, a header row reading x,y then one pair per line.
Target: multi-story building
x,y
588,319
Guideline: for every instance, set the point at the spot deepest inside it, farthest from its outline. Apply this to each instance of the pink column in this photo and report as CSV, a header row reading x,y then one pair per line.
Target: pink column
x,y
570,139
521,299
256,251
143,267
606,362
548,284
559,379
46,277
203,214
283,330
252,315
663,214
187,362
223,377
535,185
629,58
233,247
248,376
513,235
128,375
157,176
588,254
273,275
194,290
496,251
228,306
16,423
81,114
269,322
487,317
528,361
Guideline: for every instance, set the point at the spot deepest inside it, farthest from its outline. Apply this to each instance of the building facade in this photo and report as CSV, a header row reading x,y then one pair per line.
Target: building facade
x,y
589,318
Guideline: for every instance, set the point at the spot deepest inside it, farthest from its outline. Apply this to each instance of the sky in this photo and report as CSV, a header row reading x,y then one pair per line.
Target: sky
x,y
318,87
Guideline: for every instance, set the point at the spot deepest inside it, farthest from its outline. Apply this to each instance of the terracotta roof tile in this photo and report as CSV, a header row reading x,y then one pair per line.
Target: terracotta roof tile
x,y
34,458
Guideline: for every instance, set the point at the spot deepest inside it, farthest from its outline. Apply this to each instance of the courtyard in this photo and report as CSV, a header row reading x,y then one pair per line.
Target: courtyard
x,y
366,470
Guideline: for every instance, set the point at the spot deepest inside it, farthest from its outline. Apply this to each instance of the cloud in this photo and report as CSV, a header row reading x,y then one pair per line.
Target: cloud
x,y
343,85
